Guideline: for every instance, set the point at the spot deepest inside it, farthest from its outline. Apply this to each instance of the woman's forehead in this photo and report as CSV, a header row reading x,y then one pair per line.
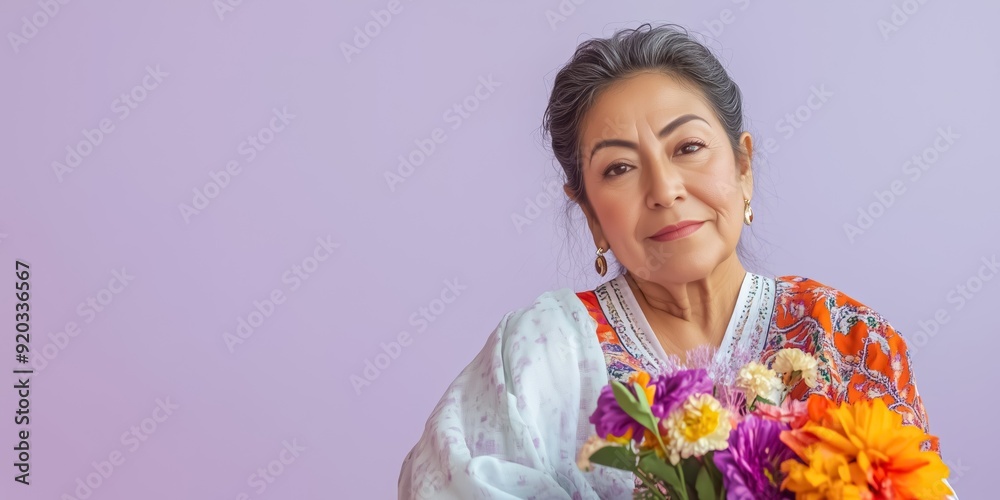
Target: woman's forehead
x,y
648,100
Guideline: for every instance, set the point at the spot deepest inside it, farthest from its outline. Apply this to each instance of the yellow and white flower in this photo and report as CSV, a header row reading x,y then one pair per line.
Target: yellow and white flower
x,y
794,365
699,426
755,380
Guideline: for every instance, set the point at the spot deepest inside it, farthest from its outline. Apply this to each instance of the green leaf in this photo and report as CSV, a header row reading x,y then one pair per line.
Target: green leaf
x,y
635,407
715,474
618,457
640,394
705,486
691,466
623,396
713,471
661,470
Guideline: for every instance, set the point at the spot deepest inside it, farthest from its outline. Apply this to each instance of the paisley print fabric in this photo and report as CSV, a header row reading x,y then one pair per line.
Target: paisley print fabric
x,y
861,355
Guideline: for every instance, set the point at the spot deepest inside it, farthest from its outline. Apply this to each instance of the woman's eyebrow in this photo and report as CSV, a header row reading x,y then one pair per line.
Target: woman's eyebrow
x,y
666,130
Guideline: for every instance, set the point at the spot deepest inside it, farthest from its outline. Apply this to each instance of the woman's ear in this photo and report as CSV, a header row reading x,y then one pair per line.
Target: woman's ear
x,y
569,193
746,167
592,222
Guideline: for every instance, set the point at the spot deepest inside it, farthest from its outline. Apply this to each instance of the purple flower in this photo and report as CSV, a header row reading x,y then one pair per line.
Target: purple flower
x,y
672,390
611,421
754,447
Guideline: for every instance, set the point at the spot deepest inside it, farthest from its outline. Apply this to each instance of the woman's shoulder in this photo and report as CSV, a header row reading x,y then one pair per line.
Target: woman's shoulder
x,y
862,355
811,296
813,312
795,284
555,319
553,305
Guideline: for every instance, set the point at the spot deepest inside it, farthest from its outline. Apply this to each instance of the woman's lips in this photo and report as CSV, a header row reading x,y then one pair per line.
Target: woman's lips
x,y
676,234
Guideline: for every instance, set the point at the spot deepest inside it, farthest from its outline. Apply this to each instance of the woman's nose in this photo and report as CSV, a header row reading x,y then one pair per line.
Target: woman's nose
x,y
664,182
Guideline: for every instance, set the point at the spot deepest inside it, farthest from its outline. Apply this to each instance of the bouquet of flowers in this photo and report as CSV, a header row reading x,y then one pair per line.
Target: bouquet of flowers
x,y
685,436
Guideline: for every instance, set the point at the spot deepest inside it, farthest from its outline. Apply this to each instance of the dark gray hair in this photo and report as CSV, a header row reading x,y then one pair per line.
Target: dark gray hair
x,y
598,63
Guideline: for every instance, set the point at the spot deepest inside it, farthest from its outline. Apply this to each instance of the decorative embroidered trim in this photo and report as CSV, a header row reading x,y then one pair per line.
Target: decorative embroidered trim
x,y
635,322
862,357
630,344
621,355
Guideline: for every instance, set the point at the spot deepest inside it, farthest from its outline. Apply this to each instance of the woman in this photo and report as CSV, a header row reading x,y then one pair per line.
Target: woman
x,y
648,128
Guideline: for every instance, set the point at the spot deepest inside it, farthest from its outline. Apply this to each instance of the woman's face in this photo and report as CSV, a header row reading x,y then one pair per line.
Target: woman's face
x,y
654,154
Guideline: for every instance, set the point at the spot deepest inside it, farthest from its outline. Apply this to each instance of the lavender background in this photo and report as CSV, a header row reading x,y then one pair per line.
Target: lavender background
x,y
895,73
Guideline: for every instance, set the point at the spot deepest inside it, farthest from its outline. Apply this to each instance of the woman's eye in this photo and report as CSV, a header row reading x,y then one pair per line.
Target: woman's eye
x,y
686,148
616,169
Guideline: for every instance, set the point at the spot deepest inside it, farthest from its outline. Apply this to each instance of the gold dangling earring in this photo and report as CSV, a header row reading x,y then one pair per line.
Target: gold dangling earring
x,y
601,264
747,212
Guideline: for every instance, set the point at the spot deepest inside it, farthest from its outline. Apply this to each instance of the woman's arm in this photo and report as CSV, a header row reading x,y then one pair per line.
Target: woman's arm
x,y
872,361
887,373
510,425
862,357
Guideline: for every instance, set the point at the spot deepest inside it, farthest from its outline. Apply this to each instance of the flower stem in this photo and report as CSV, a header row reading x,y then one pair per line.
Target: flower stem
x,y
650,486
684,489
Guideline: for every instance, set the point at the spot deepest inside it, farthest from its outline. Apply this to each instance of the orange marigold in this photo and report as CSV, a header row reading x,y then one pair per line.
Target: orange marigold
x,y
861,450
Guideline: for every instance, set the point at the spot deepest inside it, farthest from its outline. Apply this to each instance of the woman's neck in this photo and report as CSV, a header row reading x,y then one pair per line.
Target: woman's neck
x,y
686,315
